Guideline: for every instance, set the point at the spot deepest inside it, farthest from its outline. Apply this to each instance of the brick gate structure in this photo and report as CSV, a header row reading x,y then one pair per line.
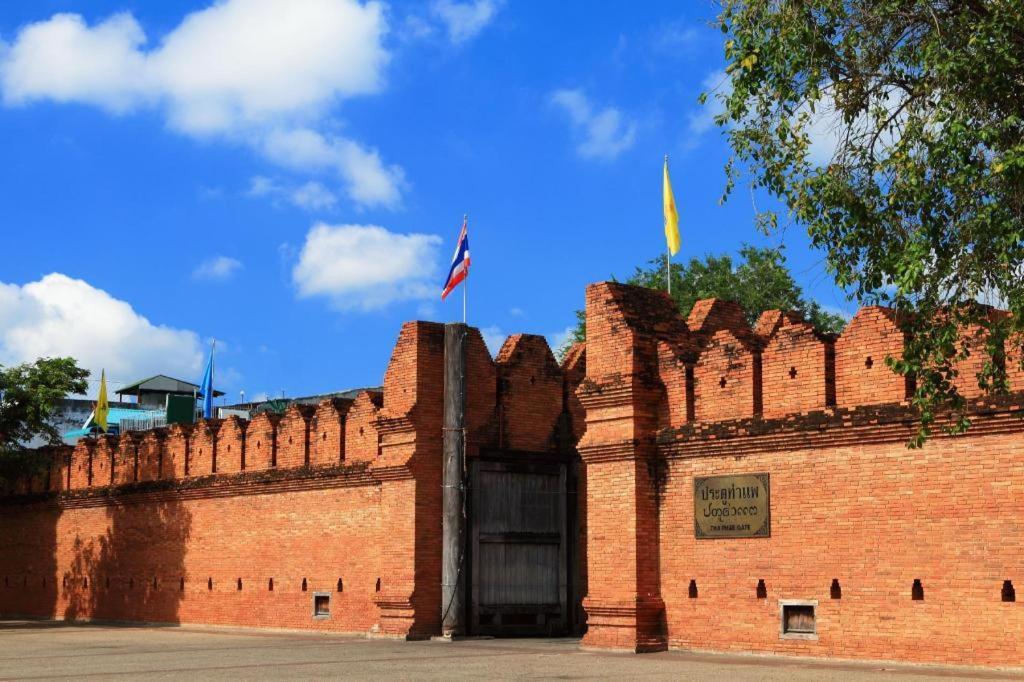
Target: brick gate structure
x,y
329,517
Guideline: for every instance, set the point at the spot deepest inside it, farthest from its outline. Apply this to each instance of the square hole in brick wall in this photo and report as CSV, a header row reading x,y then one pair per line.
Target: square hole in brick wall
x,y
321,605
798,619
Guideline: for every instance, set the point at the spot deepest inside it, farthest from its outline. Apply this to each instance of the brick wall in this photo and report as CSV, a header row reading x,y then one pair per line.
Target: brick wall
x,y
862,376
849,502
350,491
797,369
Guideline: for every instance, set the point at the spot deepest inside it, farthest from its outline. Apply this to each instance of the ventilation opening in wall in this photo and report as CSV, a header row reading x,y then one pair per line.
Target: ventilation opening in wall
x,y
762,590
917,590
1009,594
270,585
239,587
798,620
321,605
377,588
209,583
341,586
181,584
868,362
692,592
304,585
836,592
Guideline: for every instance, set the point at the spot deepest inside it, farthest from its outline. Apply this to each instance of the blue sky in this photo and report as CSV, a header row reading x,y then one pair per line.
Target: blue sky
x,y
289,178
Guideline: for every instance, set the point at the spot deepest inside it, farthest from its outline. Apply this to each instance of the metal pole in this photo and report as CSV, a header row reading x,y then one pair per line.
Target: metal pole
x,y
668,271
465,285
453,520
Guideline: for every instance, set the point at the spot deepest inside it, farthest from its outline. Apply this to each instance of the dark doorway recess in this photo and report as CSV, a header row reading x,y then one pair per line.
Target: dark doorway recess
x,y
522,545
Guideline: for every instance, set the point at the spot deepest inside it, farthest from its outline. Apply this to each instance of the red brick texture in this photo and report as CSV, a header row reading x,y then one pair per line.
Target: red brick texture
x,y
797,369
344,497
862,376
849,502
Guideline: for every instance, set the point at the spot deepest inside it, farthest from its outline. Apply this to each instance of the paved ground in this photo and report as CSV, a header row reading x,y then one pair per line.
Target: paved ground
x,y
33,651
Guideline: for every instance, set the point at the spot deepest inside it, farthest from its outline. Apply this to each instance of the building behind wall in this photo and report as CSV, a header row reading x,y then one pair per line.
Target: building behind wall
x,y
328,516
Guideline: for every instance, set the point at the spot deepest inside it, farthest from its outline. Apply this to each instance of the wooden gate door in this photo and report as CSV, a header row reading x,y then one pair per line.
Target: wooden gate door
x,y
518,547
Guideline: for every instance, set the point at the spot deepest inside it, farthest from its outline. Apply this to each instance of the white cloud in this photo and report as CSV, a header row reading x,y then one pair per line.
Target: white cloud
x,y
261,186
64,60
311,196
219,268
465,20
61,316
253,71
368,180
366,267
605,133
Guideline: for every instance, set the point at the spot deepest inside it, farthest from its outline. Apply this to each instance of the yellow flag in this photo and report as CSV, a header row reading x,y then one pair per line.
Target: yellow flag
x,y
671,217
102,406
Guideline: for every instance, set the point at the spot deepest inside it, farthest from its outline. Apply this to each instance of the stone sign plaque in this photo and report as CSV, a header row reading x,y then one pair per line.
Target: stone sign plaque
x,y
732,506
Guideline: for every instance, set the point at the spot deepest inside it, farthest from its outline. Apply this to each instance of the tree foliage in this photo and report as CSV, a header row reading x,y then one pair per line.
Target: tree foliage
x,y
28,395
918,202
759,281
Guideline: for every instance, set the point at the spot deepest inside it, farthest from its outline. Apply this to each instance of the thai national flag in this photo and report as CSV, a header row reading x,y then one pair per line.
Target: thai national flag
x,y
460,263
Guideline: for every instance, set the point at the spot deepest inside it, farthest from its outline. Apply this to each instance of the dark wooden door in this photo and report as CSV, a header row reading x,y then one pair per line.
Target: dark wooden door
x,y
518,548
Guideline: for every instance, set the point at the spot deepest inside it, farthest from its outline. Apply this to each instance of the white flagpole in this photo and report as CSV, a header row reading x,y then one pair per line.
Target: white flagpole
x,y
465,285
668,249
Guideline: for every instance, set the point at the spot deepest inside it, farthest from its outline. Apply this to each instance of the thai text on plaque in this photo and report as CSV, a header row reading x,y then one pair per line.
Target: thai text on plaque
x,y
736,506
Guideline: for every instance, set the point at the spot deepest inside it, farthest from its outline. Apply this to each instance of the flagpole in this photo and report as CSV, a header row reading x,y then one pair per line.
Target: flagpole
x,y
465,285
668,253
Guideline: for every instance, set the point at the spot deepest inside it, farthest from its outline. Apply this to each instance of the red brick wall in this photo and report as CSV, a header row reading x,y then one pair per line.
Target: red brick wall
x,y
230,445
727,378
261,442
862,376
103,461
126,560
873,516
848,500
362,443
530,397
81,464
202,449
125,459
1014,370
796,369
151,454
293,436
176,451
327,433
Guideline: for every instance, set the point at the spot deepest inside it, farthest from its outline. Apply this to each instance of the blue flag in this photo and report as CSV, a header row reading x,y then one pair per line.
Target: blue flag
x,y
206,389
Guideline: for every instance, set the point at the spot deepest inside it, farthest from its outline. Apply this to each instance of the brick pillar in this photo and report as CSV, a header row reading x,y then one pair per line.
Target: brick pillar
x,y
621,396
409,471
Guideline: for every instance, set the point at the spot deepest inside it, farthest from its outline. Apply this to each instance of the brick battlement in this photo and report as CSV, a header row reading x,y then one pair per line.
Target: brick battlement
x,y
515,401
714,367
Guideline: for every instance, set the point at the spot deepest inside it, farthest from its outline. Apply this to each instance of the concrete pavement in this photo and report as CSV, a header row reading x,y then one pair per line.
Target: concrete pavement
x,y
38,650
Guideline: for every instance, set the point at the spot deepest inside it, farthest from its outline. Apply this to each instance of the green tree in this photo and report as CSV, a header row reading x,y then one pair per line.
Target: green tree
x,y
893,130
759,281
28,394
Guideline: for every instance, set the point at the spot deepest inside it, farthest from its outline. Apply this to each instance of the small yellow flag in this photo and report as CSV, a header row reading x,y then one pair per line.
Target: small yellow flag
x,y
102,406
671,217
